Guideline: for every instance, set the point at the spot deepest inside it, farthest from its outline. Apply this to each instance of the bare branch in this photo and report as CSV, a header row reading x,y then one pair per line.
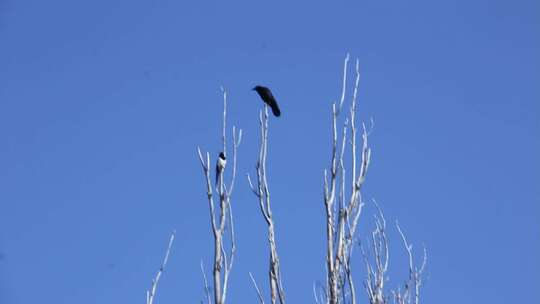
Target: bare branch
x,y
255,191
224,130
236,144
342,218
223,258
344,82
415,274
203,164
206,171
262,192
259,294
206,288
151,293
229,265
315,294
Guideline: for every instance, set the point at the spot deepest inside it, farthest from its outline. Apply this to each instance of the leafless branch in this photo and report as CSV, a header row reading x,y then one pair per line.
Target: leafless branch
x,y
378,266
237,139
224,129
229,265
262,192
376,277
255,191
315,294
259,293
344,82
319,296
342,218
206,288
411,289
151,293
223,258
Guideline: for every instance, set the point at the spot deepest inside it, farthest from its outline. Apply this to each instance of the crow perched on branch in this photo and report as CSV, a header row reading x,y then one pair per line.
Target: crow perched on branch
x,y
268,98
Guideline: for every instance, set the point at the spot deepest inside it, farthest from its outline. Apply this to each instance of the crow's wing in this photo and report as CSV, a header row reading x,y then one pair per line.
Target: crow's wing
x,y
269,99
275,108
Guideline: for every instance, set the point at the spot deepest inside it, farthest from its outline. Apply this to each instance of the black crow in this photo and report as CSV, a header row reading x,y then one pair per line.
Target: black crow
x,y
268,98
221,162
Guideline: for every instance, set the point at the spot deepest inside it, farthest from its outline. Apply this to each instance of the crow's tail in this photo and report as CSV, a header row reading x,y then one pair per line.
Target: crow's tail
x,y
275,110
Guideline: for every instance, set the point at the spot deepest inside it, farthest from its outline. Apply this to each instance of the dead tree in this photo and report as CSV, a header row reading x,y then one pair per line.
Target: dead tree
x,y
221,217
343,205
342,199
262,193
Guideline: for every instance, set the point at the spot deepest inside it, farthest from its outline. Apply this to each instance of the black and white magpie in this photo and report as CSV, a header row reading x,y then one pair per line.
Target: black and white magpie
x,y
221,162
268,98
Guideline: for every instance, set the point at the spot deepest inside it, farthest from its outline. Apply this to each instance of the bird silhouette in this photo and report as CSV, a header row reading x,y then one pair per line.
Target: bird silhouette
x,y
268,98
221,162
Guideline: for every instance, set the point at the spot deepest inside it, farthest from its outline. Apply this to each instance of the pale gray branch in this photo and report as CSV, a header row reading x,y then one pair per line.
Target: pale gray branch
x,y
223,258
151,293
259,294
344,82
415,274
206,288
342,218
262,192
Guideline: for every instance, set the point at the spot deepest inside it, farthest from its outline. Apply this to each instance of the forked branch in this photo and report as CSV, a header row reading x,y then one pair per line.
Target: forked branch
x,y
221,215
262,193
343,207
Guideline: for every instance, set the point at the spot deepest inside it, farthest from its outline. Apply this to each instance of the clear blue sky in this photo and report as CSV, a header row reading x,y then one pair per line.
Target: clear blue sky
x,y
102,104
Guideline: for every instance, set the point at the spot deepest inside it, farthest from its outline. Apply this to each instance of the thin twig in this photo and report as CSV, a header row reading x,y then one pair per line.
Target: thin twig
x,y
259,294
206,288
151,293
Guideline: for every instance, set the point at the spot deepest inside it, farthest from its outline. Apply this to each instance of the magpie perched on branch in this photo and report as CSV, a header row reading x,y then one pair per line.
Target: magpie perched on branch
x,y
268,98
221,162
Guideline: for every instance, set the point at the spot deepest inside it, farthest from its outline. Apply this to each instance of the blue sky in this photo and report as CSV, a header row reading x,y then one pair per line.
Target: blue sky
x,y
103,103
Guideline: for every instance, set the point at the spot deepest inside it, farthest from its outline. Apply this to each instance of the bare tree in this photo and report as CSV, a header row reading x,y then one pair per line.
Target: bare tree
x,y
342,199
262,192
343,182
222,217
343,202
